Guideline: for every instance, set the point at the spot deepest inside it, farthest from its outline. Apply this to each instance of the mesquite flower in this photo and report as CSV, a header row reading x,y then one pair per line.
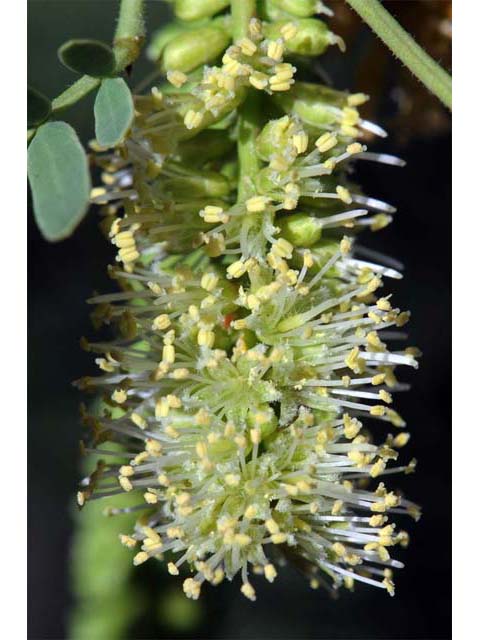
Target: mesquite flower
x,y
251,330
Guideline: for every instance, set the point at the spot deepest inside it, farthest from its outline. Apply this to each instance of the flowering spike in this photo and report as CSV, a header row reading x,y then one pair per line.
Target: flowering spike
x,y
250,344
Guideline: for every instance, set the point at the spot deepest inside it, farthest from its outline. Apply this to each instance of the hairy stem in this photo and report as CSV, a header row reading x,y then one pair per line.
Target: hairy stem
x,y
249,112
405,48
127,44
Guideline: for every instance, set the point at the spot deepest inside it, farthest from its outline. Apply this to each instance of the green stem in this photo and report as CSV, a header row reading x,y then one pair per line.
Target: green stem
x,y
405,48
127,44
242,12
249,112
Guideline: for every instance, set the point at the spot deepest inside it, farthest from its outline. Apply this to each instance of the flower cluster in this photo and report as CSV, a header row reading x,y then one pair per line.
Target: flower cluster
x,y
251,340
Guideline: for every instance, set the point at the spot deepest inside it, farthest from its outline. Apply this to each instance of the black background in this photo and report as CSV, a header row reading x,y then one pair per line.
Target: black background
x,y
62,276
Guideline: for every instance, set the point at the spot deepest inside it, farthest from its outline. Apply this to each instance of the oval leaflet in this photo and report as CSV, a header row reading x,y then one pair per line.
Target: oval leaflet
x,y
59,179
113,111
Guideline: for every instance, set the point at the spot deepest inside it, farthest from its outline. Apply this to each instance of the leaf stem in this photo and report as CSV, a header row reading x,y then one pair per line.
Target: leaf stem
x,y
249,112
127,43
405,48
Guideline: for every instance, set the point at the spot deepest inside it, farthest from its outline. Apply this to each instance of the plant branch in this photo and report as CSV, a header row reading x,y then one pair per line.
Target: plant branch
x,y
405,48
249,112
127,43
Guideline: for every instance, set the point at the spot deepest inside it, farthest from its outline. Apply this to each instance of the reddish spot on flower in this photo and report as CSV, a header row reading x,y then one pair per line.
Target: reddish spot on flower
x,y
228,319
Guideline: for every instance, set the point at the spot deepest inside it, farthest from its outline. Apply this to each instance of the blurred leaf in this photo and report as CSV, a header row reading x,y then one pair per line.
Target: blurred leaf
x,y
113,112
59,179
101,569
92,57
39,107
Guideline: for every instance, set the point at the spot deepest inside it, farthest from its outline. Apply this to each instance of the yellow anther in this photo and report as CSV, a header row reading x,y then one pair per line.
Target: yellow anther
x,y
270,572
385,396
213,214
354,148
127,541
172,569
193,119
352,426
282,248
125,483
377,468
377,410
232,479
140,558
162,408
258,80
138,420
339,549
162,480
171,431
279,538
345,245
275,50
255,28
161,322
119,396
209,281
350,116
248,591
236,269
150,497
344,194
174,402
289,31
177,78
379,378
357,99
206,338
255,436
180,374
191,588
242,539
247,46
376,521
326,142
250,512
256,204
337,507
127,470
168,354
401,439
272,526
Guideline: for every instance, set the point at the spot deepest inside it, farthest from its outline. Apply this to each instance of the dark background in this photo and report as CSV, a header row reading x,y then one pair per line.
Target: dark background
x,y
62,276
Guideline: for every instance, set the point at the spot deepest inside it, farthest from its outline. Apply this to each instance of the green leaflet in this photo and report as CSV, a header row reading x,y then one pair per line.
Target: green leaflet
x,y
91,57
59,179
113,111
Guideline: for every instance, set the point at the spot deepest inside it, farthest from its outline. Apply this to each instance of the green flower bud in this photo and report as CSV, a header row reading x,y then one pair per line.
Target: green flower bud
x,y
198,9
311,39
193,48
314,104
161,38
301,229
274,136
204,184
299,8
